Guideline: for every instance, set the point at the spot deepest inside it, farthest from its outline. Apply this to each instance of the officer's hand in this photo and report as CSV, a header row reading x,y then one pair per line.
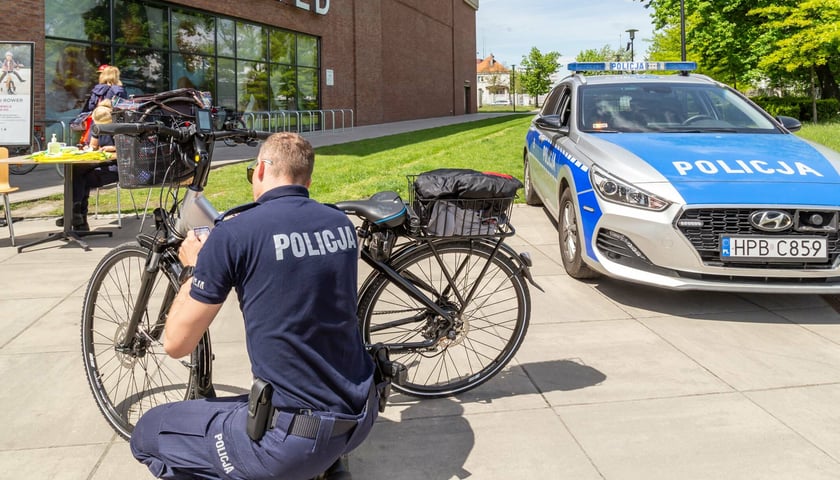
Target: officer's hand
x,y
188,253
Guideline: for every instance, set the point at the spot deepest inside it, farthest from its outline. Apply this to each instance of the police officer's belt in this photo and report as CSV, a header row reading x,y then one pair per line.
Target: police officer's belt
x,y
306,426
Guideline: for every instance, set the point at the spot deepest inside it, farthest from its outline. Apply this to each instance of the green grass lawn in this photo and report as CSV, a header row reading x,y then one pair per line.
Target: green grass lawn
x,y
359,169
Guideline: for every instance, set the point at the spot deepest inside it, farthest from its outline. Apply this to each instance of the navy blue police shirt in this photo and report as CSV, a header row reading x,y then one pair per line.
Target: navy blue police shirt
x,y
294,264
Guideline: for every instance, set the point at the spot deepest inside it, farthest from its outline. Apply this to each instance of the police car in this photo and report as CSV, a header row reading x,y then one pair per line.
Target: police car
x,y
678,181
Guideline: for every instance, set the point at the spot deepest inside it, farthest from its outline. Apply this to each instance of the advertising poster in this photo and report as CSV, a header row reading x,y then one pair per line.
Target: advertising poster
x,y
16,103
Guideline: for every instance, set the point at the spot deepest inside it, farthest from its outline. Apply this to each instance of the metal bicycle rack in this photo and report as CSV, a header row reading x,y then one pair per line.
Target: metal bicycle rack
x,y
300,121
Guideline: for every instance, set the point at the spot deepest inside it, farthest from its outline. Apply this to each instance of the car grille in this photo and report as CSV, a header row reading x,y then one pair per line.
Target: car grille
x,y
735,221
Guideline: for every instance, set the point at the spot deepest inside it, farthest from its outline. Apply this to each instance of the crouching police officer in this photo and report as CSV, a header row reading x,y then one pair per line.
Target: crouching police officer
x,y
293,263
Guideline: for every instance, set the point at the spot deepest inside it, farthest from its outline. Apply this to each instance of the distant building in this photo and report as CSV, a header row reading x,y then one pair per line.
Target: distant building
x,y
493,83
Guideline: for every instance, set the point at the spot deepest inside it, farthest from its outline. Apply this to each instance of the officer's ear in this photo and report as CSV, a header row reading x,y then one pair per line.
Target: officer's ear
x,y
260,172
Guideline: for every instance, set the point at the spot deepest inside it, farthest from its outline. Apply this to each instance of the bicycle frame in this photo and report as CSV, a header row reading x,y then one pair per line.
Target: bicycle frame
x,y
412,290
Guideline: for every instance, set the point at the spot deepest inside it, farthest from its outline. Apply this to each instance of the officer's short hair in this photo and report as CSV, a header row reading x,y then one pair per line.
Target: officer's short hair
x,y
291,156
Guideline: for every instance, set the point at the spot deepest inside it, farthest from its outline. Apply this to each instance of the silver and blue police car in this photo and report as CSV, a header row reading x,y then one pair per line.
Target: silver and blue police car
x,y
678,181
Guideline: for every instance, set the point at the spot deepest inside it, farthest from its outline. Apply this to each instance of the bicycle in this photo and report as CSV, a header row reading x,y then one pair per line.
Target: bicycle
x,y
9,86
19,150
454,309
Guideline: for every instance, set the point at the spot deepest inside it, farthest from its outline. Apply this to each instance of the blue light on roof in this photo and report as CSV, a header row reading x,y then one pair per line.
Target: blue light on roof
x,y
631,66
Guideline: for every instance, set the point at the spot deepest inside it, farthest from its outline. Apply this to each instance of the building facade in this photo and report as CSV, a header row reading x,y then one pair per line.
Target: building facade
x,y
493,81
387,60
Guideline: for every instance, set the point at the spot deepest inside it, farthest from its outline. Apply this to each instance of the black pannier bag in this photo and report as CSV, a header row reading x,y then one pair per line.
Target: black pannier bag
x,y
463,202
150,160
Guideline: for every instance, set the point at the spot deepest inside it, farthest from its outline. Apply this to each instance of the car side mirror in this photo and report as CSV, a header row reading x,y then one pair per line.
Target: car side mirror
x,y
790,123
549,122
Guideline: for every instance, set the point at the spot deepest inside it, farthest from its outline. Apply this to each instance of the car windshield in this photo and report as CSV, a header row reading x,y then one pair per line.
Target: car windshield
x,y
669,108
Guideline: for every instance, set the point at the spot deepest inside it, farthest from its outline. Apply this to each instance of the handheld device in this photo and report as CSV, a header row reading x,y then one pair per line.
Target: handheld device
x,y
201,231
203,120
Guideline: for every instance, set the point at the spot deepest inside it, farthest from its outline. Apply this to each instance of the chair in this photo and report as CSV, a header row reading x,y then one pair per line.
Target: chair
x,y
5,190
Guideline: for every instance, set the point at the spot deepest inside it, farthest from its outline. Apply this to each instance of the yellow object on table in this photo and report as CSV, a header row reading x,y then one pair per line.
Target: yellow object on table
x,y
68,156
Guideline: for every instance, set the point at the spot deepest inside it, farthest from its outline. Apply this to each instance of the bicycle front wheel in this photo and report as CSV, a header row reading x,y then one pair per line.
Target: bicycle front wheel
x,y
126,382
489,326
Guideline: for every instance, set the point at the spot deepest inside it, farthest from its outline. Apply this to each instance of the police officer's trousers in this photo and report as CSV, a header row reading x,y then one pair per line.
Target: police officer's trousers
x,y
206,439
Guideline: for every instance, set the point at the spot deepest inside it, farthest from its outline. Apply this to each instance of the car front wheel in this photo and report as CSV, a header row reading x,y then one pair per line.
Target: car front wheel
x,y
571,246
531,197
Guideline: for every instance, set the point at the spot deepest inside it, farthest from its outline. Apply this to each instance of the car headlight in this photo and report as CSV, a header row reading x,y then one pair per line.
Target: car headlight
x,y
618,191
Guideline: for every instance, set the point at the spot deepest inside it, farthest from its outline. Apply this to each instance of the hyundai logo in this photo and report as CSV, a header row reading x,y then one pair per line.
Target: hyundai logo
x,y
771,220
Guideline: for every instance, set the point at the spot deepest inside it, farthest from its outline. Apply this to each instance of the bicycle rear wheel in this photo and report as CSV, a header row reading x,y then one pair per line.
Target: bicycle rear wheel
x,y
126,384
23,169
488,330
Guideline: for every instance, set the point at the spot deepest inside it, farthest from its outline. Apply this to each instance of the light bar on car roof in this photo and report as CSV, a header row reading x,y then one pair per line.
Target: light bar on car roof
x,y
632,66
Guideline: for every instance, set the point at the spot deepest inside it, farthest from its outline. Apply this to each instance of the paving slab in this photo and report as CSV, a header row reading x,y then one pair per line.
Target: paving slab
x,y
695,437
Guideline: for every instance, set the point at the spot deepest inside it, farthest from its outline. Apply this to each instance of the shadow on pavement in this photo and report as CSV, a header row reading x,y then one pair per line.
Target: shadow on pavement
x,y
435,438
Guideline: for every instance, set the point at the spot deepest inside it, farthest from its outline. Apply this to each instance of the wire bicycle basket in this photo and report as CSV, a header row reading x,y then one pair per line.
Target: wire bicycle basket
x,y
456,214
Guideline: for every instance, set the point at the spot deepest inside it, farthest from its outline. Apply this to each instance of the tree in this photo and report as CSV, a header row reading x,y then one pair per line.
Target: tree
x,y
778,42
805,37
536,80
605,54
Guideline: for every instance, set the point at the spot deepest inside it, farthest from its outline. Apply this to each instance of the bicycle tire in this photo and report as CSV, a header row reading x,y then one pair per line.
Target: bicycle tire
x,y
126,385
491,329
20,168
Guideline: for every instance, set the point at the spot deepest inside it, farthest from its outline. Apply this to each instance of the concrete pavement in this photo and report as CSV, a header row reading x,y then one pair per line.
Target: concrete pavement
x,y
613,381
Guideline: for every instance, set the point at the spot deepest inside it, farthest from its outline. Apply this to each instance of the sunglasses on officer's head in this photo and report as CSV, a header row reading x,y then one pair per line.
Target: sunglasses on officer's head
x,y
249,172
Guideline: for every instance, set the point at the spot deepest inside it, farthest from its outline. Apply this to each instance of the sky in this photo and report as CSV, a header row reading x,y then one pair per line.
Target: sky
x,y
509,28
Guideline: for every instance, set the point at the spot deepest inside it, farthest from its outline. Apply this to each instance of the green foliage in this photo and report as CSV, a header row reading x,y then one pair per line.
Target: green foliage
x,y
800,107
806,33
536,80
605,54
742,42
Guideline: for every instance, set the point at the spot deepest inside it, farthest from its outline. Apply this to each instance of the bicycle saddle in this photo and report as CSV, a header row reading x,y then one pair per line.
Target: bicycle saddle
x,y
384,208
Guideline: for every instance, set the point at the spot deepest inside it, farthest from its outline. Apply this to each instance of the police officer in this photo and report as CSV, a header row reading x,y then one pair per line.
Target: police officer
x,y
293,264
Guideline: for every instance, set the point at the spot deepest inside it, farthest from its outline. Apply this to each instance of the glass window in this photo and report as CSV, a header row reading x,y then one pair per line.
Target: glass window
x,y
282,47
192,71
283,87
247,67
250,41
307,51
87,20
69,76
193,33
141,25
226,86
307,89
142,71
252,86
226,37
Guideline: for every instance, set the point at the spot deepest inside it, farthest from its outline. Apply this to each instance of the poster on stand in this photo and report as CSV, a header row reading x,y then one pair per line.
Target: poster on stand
x,y
16,99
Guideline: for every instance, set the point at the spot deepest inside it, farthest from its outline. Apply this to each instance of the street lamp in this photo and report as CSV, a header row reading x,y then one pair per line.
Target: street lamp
x,y
513,85
682,30
630,45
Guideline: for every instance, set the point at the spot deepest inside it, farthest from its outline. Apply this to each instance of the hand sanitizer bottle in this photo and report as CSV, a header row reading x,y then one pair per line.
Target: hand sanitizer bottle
x,y
53,148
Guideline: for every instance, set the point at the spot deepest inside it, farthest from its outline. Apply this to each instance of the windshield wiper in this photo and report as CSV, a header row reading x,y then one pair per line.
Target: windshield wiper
x,y
701,130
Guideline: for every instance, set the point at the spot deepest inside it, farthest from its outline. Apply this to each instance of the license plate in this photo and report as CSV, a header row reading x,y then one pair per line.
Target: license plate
x,y
774,248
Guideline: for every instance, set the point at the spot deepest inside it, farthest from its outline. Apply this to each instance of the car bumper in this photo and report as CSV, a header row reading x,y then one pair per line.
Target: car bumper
x,y
647,248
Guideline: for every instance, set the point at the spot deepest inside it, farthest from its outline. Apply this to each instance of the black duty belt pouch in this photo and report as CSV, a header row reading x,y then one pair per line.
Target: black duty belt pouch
x,y
385,372
259,409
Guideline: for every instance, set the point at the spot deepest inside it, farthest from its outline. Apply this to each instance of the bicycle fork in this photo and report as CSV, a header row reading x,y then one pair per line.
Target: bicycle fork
x,y
132,344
